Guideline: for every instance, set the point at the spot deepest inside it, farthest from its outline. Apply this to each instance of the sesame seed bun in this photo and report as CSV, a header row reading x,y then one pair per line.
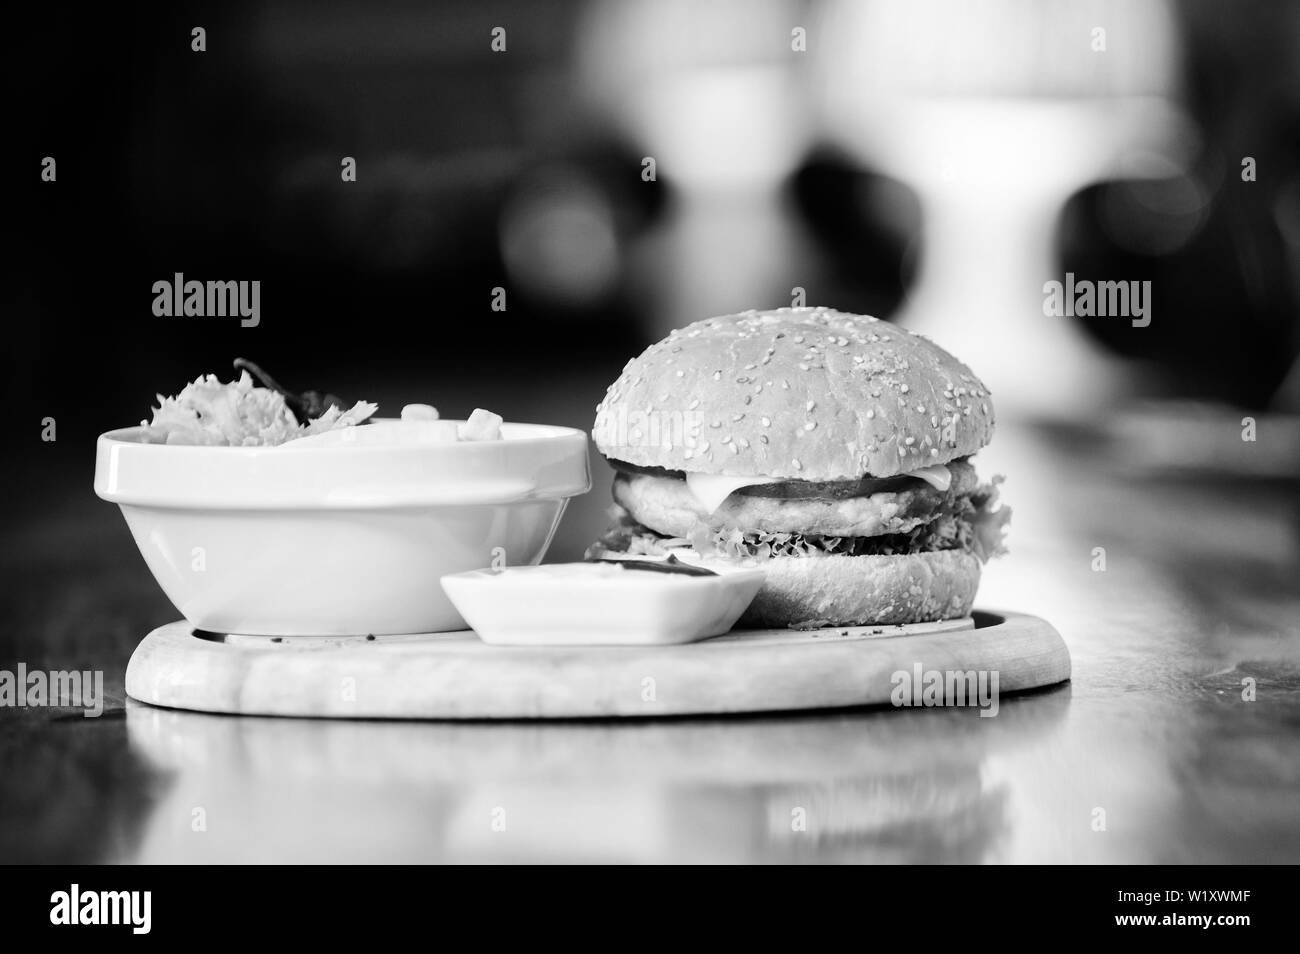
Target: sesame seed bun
x,y
861,590
800,393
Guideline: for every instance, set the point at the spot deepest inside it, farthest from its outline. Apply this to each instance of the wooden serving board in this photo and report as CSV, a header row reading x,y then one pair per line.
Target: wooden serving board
x,y
457,676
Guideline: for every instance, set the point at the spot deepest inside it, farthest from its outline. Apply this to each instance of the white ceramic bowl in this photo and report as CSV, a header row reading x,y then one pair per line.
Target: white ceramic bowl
x,y
337,540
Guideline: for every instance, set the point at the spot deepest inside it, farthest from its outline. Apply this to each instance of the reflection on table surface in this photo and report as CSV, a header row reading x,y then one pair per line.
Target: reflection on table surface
x,y
1150,754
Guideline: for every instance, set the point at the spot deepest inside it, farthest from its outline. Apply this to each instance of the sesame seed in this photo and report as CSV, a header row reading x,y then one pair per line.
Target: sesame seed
x,y
802,366
749,398
934,452
762,438
909,441
796,464
870,414
738,417
717,375
920,408
810,425
767,422
904,389
798,339
785,384
735,449
810,405
680,373
694,404
704,445
744,443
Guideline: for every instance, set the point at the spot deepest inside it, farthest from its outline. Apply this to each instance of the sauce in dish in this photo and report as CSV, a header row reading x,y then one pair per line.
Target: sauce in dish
x,y
602,603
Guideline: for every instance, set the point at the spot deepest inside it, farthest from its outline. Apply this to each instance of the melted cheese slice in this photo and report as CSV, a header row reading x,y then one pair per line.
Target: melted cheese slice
x,y
712,489
936,475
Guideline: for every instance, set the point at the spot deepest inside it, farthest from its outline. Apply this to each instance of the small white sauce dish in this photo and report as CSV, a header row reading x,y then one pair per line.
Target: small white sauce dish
x,y
343,538
599,604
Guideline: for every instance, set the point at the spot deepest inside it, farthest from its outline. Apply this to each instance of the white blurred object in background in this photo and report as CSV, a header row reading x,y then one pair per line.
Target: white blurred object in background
x,y
712,93
996,111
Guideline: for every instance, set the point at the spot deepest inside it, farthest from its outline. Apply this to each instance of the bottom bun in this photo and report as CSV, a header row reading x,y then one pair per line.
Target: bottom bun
x,y
814,592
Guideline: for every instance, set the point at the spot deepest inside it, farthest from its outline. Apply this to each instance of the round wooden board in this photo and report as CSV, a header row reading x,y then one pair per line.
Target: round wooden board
x,y
457,676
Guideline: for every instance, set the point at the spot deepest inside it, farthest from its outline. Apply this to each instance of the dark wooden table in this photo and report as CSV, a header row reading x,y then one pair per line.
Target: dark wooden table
x,y
1151,753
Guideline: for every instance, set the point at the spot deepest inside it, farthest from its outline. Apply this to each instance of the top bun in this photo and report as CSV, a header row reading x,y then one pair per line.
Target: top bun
x,y
799,393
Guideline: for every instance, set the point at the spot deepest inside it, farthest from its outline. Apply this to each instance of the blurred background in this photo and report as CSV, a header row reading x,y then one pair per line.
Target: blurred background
x,y
604,172
934,164
620,169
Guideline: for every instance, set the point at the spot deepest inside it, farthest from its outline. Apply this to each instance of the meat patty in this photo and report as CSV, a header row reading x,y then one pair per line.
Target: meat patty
x,y
666,505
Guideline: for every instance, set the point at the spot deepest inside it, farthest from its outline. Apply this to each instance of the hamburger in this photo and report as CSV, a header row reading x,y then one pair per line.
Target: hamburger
x,y
834,449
